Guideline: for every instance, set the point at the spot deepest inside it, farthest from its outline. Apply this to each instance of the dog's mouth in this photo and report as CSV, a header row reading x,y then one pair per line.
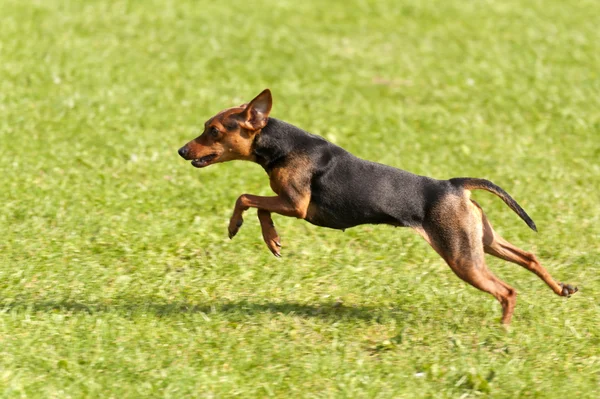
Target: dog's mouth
x,y
204,161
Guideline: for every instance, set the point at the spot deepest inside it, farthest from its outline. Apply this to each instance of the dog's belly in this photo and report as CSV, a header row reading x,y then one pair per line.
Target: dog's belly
x,y
342,216
320,217
354,192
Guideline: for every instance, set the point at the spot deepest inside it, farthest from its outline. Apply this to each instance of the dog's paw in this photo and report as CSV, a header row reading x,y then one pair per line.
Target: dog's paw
x,y
568,289
273,242
271,238
234,226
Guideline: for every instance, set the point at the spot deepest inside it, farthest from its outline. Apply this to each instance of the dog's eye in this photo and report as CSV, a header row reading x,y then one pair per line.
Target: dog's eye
x,y
214,132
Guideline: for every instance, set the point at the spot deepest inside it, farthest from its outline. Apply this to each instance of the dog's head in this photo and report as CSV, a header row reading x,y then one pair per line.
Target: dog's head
x,y
229,134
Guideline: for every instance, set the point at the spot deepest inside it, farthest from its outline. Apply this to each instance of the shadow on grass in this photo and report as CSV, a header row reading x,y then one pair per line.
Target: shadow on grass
x,y
329,310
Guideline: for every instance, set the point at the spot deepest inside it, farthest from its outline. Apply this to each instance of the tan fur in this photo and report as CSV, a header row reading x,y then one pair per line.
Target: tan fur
x,y
232,144
459,231
292,181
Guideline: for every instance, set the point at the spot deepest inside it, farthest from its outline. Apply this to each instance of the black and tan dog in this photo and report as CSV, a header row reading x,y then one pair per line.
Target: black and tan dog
x,y
322,183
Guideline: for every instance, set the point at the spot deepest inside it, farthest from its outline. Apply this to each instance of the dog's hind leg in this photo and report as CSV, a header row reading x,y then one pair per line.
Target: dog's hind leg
x,y
454,229
497,246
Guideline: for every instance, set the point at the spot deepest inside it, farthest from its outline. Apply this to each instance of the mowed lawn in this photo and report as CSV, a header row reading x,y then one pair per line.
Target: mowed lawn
x,y
117,278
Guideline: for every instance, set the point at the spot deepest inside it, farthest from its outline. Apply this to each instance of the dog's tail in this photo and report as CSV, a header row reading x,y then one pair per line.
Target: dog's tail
x,y
482,184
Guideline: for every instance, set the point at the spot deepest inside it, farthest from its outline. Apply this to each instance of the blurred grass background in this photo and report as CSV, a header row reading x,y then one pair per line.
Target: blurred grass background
x,y
117,278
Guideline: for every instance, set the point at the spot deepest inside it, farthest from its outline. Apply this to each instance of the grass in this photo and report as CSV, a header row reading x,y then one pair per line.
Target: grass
x,y
117,278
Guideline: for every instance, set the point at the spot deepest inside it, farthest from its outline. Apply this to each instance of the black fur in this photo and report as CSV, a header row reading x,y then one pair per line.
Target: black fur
x,y
348,191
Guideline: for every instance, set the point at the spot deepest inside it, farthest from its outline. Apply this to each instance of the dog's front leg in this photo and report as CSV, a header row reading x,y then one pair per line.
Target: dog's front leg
x,y
287,207
268,232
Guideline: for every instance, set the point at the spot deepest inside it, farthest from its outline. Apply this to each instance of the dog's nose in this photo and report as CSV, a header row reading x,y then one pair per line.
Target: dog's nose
x,y
183,152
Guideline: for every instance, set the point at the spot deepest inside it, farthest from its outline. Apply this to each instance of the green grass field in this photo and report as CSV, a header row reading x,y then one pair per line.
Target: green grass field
x,y
117,278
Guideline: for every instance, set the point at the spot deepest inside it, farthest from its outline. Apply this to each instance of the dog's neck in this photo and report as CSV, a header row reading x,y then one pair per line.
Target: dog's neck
x,y
273,143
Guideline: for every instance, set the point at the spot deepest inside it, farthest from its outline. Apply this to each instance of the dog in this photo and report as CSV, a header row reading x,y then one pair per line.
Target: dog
x,y
327,186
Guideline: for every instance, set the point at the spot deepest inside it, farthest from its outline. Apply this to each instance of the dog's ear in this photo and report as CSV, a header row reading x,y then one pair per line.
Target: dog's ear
x,y
257,111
